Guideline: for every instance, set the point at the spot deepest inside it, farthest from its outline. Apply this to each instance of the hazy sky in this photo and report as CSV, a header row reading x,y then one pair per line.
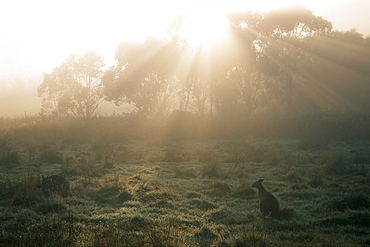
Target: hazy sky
x,y
37,35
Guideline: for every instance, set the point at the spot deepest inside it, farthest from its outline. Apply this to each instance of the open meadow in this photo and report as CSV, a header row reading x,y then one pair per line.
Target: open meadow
x,y
153,191
154,123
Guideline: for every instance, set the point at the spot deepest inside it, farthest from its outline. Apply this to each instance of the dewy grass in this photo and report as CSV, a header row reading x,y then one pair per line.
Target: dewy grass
x,y
196,193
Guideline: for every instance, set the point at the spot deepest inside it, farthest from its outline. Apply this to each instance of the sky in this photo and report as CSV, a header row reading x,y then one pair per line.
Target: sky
x,y
38,35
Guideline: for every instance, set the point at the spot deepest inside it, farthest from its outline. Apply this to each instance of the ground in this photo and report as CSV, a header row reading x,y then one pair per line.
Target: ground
x,y
187,193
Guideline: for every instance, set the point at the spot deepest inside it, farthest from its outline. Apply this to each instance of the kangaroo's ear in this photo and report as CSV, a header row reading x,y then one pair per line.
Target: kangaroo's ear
x,y
42,176
261,180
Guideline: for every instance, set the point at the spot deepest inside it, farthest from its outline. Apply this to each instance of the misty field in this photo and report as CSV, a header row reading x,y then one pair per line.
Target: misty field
x,y
129,188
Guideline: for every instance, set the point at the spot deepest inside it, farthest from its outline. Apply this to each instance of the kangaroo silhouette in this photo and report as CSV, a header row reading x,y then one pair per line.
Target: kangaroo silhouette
x,y
269,205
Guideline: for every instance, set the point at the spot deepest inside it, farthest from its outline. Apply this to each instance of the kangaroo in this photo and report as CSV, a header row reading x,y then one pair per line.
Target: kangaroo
x,y
269,205
55,184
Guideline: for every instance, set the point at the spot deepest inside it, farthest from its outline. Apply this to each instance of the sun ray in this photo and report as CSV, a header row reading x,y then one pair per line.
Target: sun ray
x,y
204,28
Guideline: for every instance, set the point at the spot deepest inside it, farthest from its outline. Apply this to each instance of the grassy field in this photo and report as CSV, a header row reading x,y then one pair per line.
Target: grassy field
x,y
194,192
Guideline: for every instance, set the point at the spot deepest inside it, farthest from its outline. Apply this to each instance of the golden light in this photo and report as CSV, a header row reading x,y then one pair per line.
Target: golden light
x,y
205,28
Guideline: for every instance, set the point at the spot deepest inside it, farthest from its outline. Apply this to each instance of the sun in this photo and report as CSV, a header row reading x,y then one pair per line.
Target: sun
x,y
205,29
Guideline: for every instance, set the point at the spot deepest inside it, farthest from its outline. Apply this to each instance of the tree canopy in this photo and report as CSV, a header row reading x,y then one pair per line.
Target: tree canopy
x,y
73,87
287,59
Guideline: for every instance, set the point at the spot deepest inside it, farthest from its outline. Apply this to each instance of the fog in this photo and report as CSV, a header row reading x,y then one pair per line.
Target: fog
x,y
39,36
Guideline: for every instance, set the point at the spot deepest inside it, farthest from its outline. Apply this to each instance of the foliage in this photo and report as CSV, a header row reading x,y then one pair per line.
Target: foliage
x,y
74,87
143,76
272,61
184,179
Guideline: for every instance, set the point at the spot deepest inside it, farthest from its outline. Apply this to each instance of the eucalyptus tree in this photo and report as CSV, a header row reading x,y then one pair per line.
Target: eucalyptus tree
x,y
278,40
144,76
283,52
238,88
73,88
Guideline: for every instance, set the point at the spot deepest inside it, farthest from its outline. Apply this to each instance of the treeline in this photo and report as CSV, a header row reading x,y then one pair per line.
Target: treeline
x,y
281,63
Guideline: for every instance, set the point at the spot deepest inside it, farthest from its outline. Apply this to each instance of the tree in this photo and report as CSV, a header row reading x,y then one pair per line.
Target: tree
x,y
74,87
293,21
144,76
279,43
340,70
239,87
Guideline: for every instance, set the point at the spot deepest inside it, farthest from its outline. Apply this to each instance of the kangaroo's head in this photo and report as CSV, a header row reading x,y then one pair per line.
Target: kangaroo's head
x,y
258,183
